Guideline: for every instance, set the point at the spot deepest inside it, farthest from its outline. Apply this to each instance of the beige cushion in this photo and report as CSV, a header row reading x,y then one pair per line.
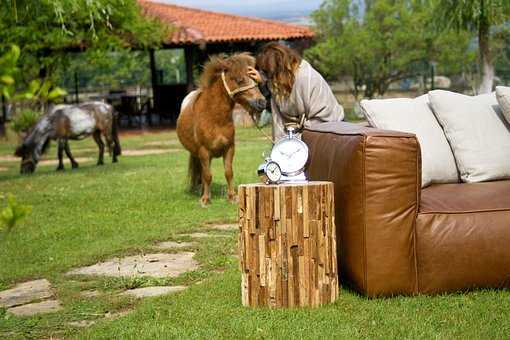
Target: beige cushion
x,y
477,134
503,96
415,116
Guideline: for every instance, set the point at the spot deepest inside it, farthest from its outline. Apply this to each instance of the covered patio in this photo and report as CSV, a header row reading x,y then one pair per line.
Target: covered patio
x,y
202,33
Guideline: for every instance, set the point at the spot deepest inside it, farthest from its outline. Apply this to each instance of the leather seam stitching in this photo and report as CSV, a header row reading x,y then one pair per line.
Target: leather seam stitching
x,y
462,212
418,183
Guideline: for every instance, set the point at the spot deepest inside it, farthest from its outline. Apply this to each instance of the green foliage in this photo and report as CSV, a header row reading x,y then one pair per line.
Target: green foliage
x,y
390,41
48,29
13,213
8,70
24,120
43,92
106,69
486,18
471,14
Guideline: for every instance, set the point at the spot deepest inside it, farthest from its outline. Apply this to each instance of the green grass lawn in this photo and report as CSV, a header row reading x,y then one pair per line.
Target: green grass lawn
x,y
94,213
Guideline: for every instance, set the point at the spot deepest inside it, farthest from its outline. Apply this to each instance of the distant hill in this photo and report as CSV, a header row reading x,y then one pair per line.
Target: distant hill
x,y
284,10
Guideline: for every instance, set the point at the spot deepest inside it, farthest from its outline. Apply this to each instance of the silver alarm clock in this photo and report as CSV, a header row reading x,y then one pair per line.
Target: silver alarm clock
x,y
270,172
291,154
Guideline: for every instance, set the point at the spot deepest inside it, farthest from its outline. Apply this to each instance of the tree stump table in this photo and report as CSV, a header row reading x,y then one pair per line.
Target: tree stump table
x,y
287,244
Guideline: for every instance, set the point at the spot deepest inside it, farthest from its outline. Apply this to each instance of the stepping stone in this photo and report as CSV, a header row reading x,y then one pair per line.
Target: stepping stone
x,y
90,293
162,143
153,291
114,316
9,158
48,306
147,152
81,323
226,227
173,245
154,265
204,235
25,292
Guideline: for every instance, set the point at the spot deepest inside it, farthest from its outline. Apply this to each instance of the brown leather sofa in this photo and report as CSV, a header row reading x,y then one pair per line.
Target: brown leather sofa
x,y
395,237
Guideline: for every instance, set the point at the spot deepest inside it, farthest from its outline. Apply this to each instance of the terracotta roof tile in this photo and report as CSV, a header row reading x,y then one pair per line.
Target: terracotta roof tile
x,y
195,26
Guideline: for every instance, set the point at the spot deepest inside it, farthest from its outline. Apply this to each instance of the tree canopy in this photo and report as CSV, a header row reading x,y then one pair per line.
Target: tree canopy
x,y
383,42
481,17
46,30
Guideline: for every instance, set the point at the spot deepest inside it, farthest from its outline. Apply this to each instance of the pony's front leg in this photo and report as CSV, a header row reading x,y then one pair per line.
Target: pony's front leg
x,y
74,164
60,155
205,162
228,159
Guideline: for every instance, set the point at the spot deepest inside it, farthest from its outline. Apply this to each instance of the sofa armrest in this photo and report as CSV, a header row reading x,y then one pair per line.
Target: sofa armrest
x,y
377,177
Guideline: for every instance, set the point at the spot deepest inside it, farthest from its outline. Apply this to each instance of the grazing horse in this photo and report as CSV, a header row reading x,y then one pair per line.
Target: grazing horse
x,y
64,122
205,126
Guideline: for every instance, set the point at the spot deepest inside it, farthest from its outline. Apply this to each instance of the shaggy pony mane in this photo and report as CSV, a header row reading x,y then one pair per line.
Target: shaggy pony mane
x,y
236,65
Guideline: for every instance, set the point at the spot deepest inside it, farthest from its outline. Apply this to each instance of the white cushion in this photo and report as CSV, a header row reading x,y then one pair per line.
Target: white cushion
x,y
503,96
477,134
415,116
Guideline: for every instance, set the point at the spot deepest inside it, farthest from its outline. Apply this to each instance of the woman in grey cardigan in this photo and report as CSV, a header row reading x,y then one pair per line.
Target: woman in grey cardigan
x,y
300,97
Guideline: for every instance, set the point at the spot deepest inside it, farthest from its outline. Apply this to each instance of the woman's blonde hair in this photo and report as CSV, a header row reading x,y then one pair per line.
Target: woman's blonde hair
x,y
279,63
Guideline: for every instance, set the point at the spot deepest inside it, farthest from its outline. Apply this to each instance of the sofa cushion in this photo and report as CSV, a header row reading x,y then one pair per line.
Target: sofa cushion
x,y
478,137
415,116
466,197
469,225
503,96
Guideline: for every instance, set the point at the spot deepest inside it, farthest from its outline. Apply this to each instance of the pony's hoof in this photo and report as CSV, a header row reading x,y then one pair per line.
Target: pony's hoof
x,y
60,168
100,163
204,202
75,165
233,199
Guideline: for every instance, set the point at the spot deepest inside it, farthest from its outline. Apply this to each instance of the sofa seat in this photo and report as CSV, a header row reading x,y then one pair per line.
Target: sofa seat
x,y
466,197
463,237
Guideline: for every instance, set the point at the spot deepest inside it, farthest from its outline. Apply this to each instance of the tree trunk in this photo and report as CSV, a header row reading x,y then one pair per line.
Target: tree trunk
x,y
486,65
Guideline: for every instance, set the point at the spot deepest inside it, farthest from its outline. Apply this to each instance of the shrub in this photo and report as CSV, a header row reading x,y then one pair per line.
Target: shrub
x,y
24,120
13,213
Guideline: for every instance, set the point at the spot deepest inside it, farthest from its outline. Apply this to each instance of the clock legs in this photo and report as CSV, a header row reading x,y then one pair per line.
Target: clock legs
x,y
228,158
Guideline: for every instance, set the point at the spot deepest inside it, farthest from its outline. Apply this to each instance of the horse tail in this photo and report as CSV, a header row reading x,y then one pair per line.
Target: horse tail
x,y
115,134
194,173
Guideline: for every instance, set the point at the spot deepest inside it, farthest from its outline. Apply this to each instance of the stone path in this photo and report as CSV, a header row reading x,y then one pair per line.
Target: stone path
x,y
173,245
154,265
23,299
36,297
147,152
153,291
9,158
204,235
25,292
90,293
163,143
48,306
225,227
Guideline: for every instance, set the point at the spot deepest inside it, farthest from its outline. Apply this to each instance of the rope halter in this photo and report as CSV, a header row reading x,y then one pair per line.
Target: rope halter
x,y
231,94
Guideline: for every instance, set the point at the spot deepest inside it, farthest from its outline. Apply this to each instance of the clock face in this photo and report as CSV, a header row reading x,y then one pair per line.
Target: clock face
x,y
291,154
273,172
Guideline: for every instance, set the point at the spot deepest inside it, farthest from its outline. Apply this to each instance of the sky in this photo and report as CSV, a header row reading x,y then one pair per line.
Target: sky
x,y
287,10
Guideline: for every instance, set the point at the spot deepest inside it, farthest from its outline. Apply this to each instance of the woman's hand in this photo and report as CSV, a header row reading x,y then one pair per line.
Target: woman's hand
x,y
254,74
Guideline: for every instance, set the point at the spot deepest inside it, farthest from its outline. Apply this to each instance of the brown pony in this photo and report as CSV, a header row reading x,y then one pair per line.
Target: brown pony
x,y
64,122
205,126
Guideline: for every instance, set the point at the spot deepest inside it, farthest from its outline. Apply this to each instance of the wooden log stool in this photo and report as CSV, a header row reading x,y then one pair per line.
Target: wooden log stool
x,y
287,244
